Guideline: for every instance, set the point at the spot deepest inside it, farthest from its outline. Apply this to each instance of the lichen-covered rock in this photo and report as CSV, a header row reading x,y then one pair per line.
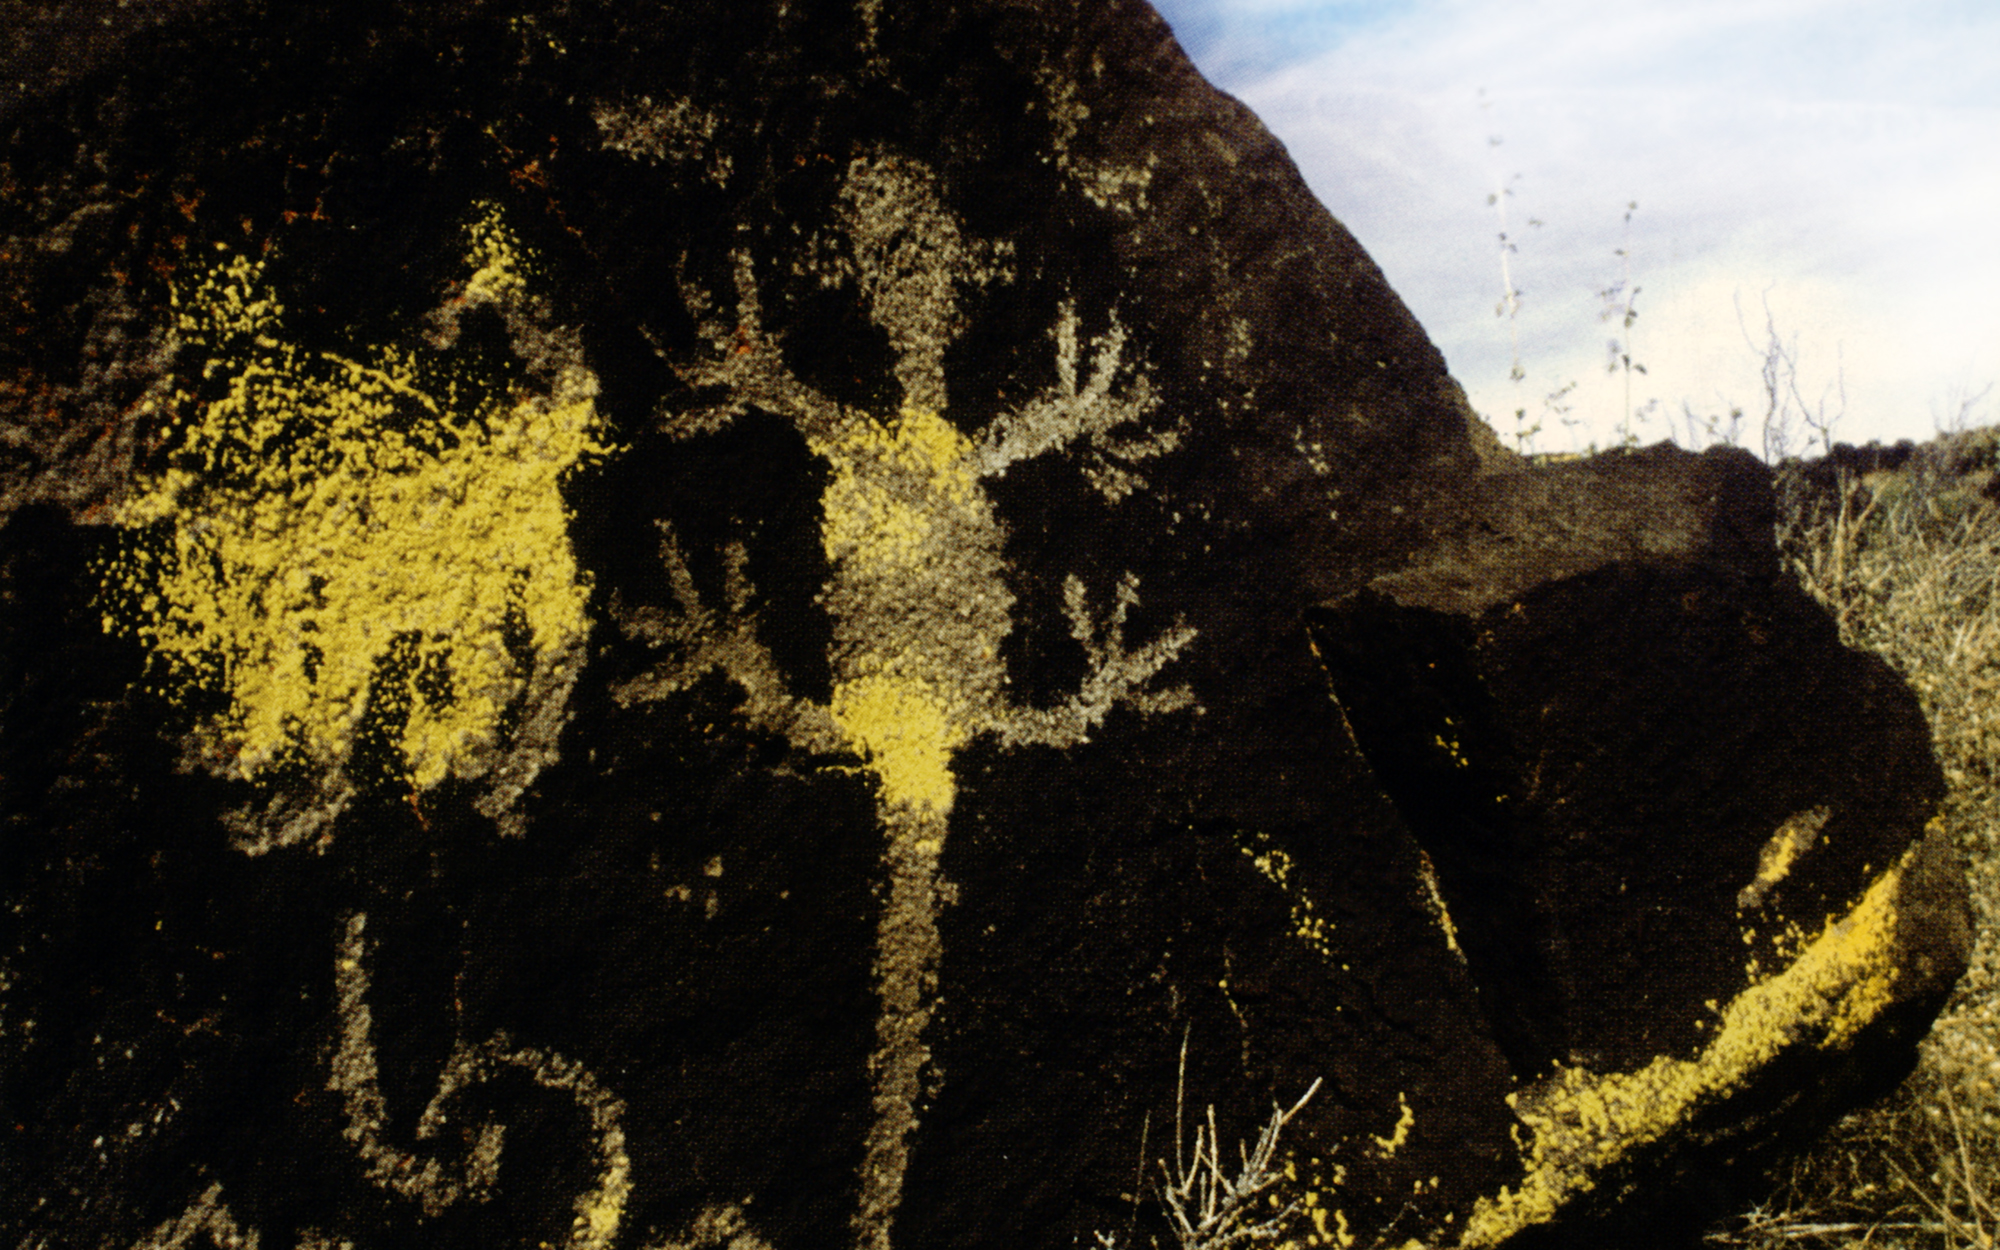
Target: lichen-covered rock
x,y
643,627
1667,811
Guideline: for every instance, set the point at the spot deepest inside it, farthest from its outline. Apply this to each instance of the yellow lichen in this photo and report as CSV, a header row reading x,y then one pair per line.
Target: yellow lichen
x,y
901,726
1583,1122
599,1212
1329,1226
1388,1146
892,486
494,254
1451,746
1318,1181
1307,924
344,531
1434,899
902,493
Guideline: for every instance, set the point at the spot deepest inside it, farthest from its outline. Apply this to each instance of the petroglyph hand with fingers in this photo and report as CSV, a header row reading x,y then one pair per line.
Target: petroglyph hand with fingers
x,y
702,640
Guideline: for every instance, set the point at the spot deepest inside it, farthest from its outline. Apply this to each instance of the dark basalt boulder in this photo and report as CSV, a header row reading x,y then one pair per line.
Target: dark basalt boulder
x,y
626,626
1641,766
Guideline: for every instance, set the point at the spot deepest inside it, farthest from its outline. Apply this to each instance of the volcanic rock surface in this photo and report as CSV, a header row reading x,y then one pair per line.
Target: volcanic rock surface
x,y
638,626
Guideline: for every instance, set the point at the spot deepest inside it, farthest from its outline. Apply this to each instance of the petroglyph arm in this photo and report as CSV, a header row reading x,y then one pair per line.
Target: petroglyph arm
x,y
743,367
1117,674
700,639
1087,412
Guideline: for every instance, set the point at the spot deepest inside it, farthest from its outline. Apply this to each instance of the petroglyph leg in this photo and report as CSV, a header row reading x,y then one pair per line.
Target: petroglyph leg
x,y
1116,676
706,640
433,1185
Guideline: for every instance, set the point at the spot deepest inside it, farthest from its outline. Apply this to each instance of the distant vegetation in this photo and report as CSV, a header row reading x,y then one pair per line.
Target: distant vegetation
x,y
1902,545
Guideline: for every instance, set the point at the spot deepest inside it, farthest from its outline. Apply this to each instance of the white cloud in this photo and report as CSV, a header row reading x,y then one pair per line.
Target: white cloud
x,y
1841,160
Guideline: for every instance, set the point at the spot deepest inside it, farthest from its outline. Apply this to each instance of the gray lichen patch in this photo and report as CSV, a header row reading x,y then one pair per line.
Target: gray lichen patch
x,y
675,130
1792,840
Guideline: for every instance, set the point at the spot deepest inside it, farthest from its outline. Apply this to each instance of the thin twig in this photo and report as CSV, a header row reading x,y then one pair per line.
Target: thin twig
x,y
1794,1232
1209,1209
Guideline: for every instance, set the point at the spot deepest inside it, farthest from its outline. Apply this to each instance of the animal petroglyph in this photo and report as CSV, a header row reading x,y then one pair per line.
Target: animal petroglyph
x,y
430,1182
351,535
916,588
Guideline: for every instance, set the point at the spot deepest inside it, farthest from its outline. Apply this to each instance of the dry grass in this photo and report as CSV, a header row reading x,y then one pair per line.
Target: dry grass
x,y
1909,564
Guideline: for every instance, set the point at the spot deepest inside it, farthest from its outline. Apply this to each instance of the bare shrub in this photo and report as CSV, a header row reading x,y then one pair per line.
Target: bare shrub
x,y
1208,1208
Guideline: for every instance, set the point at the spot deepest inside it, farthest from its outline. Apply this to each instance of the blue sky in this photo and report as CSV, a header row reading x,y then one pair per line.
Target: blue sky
x,y
1827,168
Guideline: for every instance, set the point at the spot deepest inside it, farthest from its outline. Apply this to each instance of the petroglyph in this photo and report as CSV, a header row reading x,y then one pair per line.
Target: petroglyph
x,y
670,130
916,591
344,537
1119,188
206,1222
426,1179
718,1228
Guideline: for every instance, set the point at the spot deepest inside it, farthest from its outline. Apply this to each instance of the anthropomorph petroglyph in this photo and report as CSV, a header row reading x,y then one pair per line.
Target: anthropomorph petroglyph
x,y
916,589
